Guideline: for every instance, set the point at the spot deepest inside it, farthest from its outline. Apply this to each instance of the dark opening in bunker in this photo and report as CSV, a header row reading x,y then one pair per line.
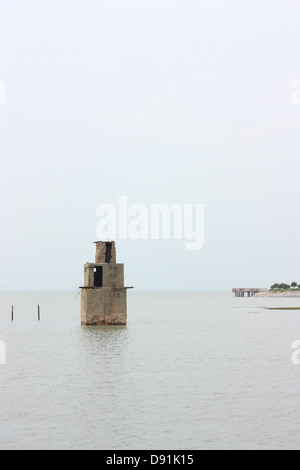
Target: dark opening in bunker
x,y
98,276
108,252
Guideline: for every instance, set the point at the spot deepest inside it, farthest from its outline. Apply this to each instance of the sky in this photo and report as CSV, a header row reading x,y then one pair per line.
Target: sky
x,y
161,101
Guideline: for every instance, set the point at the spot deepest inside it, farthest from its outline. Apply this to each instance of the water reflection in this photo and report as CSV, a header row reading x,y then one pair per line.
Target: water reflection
x,y
100,343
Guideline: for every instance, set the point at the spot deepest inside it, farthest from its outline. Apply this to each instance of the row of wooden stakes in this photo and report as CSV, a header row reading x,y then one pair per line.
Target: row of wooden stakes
x,y
12,313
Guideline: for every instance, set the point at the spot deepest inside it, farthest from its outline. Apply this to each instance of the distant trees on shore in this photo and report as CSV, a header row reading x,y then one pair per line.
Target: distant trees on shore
x,y
283,286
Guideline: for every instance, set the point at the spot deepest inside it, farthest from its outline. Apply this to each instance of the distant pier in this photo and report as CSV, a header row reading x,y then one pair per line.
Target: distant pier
x,y
247,292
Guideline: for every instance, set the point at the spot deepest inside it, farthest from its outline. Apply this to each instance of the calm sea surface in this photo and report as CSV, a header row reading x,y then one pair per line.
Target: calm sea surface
x,y
189,371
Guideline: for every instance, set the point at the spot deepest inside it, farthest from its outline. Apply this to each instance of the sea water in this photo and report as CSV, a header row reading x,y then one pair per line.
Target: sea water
x,y
191,370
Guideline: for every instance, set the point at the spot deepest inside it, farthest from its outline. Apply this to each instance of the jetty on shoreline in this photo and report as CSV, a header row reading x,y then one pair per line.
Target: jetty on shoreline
x,y
248,292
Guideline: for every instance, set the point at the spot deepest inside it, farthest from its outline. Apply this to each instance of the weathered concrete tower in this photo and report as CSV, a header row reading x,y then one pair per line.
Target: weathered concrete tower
x,y
103,296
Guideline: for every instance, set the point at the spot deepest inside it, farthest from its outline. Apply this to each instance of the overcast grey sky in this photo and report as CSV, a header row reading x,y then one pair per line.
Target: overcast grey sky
x,y
162,101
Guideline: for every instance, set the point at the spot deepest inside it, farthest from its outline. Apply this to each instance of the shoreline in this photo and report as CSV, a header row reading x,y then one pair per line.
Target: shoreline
x,y
279,294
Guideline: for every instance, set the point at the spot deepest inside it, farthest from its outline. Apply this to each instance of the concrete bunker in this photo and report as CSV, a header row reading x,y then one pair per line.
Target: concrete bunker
x,y
104,296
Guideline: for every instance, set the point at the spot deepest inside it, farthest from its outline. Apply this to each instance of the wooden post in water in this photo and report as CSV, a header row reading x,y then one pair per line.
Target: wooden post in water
x,y
12,313
39,317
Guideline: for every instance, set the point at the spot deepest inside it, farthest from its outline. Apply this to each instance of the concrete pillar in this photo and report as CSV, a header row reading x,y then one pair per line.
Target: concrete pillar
x,y
103,296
